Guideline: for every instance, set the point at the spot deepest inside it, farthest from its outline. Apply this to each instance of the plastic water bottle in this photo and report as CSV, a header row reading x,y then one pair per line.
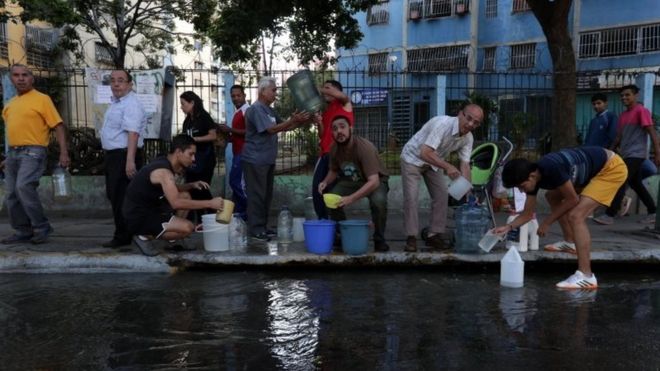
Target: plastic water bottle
x,y
532,228
285,226
61,183
237,234
517,237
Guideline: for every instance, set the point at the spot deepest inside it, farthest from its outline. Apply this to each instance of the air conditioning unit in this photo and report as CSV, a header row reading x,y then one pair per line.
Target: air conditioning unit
x,y
415,14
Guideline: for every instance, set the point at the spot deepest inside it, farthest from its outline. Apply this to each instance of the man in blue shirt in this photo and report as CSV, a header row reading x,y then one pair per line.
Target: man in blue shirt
x,y
602,128
577,181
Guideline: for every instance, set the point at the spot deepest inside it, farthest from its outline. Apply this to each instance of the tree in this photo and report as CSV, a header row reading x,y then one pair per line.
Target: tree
x,y
146,26
315,27
553,18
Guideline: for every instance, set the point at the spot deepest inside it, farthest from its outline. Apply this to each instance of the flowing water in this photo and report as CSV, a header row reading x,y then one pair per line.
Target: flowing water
x,y
331,320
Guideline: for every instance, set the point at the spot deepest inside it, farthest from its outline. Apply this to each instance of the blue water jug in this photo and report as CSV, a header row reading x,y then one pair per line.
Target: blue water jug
x,y
472,222
305,94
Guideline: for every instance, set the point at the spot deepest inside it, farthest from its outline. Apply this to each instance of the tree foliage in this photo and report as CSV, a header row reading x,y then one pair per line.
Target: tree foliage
x,y
147,26
315,27
554,21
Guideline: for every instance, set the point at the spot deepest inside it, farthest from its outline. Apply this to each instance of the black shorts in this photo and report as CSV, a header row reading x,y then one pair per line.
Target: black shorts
x,y
149,224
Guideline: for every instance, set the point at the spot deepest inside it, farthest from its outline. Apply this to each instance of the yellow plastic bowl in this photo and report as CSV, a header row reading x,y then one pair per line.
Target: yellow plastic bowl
x,y
331,200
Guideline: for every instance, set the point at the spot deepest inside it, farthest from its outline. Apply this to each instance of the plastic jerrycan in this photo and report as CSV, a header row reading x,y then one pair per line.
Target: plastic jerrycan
x,y
512,269
532,228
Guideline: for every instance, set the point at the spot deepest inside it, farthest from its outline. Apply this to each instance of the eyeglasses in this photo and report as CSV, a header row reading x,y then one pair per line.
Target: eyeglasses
x,y
120,81
471,120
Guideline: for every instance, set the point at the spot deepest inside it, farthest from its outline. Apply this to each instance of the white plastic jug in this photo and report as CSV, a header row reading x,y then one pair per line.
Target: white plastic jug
x,y
216,235
298,231
512,269
532,229
459,187
517,237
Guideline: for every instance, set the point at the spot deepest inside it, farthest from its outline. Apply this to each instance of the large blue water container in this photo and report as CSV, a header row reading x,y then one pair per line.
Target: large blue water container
x,y
472,222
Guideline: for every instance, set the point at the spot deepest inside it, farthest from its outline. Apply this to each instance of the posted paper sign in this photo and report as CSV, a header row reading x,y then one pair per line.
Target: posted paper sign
x,y
103,94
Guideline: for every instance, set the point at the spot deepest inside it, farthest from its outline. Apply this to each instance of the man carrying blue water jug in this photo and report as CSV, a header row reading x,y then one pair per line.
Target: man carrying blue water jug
x,y
359,172
577,181
155,206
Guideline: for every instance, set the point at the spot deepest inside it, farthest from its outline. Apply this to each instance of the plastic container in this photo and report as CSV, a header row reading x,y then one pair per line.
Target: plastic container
x,y
285,226
305,94
517,237
224,216
533,238
489,240
298,230
354,236
512,269
319,235
331,200
61,179
238,240
459,187
216,235
472,222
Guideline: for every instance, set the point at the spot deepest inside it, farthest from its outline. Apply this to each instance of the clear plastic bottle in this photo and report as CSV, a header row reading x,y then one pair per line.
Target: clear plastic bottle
x,y
285,226
237,234
61,183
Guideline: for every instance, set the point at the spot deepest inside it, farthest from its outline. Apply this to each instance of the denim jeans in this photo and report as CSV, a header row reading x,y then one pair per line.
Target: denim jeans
x,y
237,184
377,204
23,169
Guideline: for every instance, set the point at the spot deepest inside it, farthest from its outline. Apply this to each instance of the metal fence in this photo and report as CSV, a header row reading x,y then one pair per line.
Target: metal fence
x,y
389,107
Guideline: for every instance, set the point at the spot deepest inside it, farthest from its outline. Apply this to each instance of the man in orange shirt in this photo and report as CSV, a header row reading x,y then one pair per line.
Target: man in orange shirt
x,y
29,118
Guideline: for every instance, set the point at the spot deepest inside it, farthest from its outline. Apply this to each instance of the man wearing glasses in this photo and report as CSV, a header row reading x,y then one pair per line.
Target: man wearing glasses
x,y
424,156
121,138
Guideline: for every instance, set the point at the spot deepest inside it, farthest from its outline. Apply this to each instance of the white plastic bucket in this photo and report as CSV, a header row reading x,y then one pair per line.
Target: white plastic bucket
x,y
459,187
216,235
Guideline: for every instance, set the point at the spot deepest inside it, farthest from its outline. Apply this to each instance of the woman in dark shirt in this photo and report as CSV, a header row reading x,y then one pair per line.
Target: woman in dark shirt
x,y
199,125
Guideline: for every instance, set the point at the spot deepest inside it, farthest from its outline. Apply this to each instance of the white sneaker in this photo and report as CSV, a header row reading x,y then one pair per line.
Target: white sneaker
x,y
579,281
625,205
561,246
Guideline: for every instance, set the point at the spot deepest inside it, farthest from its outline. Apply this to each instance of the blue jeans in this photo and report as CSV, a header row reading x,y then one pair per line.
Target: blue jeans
x,y
23,169
237,184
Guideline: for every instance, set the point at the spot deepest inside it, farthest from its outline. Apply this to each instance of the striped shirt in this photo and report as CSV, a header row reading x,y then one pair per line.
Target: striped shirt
x,y
579,165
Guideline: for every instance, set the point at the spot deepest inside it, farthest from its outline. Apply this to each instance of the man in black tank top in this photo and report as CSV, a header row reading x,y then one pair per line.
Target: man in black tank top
x,y
155,207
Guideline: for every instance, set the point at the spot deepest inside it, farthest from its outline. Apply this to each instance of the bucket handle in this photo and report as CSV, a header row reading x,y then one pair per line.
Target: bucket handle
x,y
199,229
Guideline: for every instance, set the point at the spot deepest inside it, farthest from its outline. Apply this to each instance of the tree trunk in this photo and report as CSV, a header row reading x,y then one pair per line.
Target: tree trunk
x,y
553,18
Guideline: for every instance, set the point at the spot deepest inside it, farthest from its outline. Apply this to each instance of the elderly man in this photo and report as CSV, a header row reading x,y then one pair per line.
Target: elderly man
x,y
153,198
359,172
424,156
29,117
260,152
121,138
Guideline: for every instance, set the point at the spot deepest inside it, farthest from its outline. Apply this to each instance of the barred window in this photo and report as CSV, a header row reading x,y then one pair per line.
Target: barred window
x,y
103,54
491,8
438,8
520,6
620,41
4,50
377,63
489,59
445,58
40,38
523,56
378,14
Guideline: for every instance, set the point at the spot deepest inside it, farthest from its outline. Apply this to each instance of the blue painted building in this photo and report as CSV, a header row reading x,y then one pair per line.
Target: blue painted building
x,y
493,47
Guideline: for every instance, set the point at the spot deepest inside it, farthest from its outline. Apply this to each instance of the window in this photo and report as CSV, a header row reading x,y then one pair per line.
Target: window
x,y
489,59
520,6
619,41
377,63
4,50
103,54
378,14
416,9
438,8
523,56
445,58
491,8
39,44
199,65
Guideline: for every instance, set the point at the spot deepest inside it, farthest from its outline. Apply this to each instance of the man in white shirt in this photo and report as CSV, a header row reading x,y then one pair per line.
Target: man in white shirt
x,y
424,156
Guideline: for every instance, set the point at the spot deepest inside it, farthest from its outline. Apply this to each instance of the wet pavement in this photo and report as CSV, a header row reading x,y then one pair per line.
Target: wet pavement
x,y
305,320
75,248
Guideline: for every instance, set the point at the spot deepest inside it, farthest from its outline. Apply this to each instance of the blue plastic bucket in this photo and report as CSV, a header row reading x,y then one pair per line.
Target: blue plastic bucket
x,y
354,236
319,235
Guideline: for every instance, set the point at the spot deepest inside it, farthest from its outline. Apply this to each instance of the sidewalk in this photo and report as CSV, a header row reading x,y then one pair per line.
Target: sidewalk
x,y
75,248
